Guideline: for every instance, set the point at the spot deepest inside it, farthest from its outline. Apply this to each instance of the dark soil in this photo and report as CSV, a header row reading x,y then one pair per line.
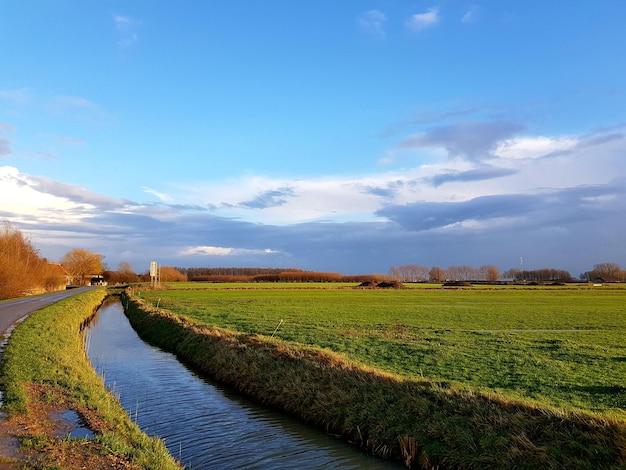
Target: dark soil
x,y
43,431
382,285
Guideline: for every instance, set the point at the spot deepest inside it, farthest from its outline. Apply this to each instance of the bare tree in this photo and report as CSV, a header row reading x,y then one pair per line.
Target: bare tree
x,y
461,273
489,273
395,273
606,271
126,273
436,274
410,273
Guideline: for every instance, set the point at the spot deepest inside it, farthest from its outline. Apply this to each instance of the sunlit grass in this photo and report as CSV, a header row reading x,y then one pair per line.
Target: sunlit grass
x,y
562,347
379,390
47,350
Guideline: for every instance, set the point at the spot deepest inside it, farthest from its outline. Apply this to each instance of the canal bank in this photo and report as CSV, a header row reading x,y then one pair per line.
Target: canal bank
x,y
50,390
204,425
420,423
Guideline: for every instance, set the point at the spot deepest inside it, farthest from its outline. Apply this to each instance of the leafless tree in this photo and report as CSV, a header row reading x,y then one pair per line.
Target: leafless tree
x,y
436,274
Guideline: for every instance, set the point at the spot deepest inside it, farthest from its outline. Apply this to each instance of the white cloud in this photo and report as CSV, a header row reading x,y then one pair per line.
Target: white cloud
x,y
372,21
506,165
123,22
162,196
207,250
437,211
471,15
423,20
533,147
126,27
338,199
224,251
23,198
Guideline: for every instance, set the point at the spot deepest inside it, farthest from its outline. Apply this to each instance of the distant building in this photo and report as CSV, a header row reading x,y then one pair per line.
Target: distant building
x,y
59,279
97,280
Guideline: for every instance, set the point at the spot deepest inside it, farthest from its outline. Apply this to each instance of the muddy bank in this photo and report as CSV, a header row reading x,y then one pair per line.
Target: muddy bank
x,y
418,423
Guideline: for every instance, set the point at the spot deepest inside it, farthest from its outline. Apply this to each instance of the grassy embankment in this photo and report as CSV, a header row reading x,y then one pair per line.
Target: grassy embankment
x,y
455,379
45,366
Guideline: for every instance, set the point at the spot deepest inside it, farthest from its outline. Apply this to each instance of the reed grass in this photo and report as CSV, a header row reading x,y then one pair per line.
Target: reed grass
x,y
47,351
421,422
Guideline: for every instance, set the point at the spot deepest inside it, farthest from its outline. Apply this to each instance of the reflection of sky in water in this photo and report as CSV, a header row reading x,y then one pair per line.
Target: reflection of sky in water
x,y
203,425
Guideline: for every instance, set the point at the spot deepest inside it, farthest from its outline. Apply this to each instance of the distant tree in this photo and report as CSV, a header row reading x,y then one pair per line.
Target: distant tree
x,y
512,274
126,273
606,271
410,273
436,274
125,268
461,273
309,276
489,273
111,277
202,273
538,275
83,264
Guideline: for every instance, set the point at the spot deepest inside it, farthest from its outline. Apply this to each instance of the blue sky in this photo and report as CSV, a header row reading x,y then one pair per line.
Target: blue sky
x,y
343,136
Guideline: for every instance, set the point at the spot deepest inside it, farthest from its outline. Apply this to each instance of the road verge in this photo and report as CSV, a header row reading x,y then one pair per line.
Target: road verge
x,y
45,371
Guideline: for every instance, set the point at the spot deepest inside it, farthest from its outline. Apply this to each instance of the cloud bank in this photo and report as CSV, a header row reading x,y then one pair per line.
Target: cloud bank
x,y
489,194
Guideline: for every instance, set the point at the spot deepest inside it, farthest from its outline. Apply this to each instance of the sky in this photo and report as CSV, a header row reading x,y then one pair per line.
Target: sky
x,y
345,136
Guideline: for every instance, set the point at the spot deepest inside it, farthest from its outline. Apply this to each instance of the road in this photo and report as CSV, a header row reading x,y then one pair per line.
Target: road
x,y
14,310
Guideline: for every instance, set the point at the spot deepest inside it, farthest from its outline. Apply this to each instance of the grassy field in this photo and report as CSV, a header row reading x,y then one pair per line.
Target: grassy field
x,y
560,347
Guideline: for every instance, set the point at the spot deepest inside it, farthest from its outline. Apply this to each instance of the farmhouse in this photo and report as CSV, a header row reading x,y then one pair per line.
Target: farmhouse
x,y
59,278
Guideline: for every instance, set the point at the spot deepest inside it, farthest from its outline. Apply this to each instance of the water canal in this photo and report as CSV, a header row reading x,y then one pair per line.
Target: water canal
x,y
203,425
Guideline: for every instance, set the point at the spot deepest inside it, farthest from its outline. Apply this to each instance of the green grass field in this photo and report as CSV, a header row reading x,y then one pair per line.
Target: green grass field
x,y
560,347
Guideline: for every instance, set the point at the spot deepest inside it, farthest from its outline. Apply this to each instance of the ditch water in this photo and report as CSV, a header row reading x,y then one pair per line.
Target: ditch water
x,y
203,425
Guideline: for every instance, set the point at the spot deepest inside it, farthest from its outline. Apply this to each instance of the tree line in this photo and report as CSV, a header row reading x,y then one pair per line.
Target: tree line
x,y
418,273
538,275
602,272
197,273
605,272
24,271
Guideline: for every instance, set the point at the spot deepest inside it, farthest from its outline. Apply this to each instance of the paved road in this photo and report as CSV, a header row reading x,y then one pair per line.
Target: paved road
x,y
14,310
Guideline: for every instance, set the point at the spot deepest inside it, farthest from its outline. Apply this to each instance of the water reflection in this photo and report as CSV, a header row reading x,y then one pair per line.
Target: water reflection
x,y
205,426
